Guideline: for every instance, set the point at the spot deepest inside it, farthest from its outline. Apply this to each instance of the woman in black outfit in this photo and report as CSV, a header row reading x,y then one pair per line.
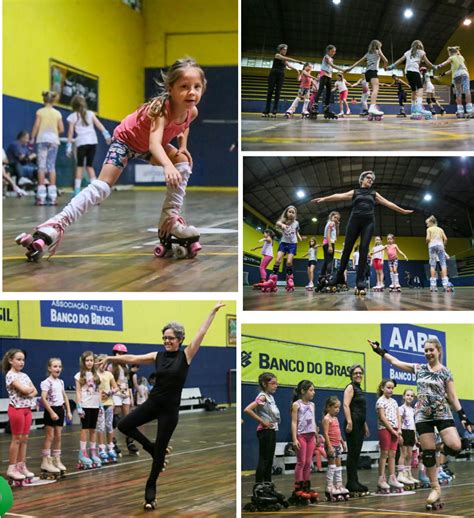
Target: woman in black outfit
x,y
277,76
355,426
361,224
171,366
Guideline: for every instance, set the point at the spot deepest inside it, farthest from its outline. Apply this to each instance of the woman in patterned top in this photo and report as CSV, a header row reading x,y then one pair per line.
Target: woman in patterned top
x,y
436,394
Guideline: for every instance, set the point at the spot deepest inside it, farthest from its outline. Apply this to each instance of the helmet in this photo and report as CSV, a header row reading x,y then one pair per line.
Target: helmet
x,y
119,348
364,174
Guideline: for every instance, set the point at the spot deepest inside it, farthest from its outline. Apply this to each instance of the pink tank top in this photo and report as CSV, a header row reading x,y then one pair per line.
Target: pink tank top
x,y
305,81
391,252
134,130
334,431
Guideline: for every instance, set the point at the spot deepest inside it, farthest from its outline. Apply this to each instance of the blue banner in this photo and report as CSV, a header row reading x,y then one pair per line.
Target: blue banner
x,y
82,314
405,342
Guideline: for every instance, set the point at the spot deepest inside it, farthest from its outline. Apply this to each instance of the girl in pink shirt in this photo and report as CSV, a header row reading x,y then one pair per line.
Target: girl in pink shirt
x,y
306,79
392,253
335,446
145,134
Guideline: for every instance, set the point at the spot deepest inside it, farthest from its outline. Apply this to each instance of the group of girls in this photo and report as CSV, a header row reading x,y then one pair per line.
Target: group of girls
x,y
145,134
397,428
416,75
98,392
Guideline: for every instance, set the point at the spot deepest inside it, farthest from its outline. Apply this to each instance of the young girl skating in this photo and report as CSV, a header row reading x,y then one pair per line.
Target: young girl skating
x,y
331,233
429,89
377,263
105,430
21,393
392,254
305,79
303,433
413,58
341,85
335,446
461,80
373,57
82,122
401,94
88,403
407,417
290,236
365,95
145,134
436,239
390,434
312,261
435,395
54,401
46,129
267,255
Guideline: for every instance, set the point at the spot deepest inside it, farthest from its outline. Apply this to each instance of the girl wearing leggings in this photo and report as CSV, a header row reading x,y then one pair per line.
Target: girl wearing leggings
x,y
355,409
361,224
171,367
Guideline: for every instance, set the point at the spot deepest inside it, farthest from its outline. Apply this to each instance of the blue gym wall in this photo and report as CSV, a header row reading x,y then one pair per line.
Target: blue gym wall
x,y
283,399
208,371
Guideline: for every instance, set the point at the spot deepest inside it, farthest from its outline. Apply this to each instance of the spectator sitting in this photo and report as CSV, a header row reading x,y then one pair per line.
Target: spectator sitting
x,y
8,180
22,159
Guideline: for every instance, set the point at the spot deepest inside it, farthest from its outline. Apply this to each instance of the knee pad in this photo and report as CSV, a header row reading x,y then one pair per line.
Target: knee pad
x,y
429,458
450,451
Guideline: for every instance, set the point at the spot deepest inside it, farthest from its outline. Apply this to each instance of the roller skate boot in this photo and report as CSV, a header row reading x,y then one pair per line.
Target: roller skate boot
x,y
416,113
84,462
340,114
348,113
424,480
382,487
273,115
271,284
48,469
427,115
314,112
360,289
290,283
29,475
265,115
460,113
150,499
447,288
47,235
328,114
258,285
177,238
15,477
299,497
96,462
117,449
364,113
362,489
313,495
443,478
331,493
58,464
402,113
446,469
343,492
395,485
335,282
375,114
309,286
403,479
442,111
415,482
131,447
391,288
288,114
112,455
433,502
305,115
103,456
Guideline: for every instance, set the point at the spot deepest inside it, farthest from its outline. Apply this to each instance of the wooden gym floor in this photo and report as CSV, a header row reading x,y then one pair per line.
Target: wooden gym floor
x,y
408,300
111,247
356,134
457,497
200,479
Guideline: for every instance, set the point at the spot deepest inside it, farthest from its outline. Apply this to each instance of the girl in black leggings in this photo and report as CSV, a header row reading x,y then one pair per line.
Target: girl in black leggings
x,y
361,224
171,366
355,426
277,77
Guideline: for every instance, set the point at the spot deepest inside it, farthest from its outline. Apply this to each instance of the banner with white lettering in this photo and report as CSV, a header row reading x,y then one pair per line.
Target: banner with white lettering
x,y
406,343
82,314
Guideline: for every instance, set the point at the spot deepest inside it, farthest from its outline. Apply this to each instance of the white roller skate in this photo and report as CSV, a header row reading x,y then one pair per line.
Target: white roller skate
x,y
460,112
177,238
331,493
84,462
416,483
48,469
395,485
47,235
58,464
382,487
343,492
14,476
310,286
289,114
29,475
403,479
374,113
433,502
340,114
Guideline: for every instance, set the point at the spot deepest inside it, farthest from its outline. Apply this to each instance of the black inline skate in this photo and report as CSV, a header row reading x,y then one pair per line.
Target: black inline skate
x,y
328,114
150,499
132,447
314,111
266,498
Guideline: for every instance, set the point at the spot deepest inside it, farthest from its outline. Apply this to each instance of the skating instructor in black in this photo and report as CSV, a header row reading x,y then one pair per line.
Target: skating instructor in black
x,y
171,367
355,426
361,224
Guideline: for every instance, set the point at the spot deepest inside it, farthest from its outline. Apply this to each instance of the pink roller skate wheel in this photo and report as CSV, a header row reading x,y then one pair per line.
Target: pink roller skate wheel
x,y
159,251
38,245
195,247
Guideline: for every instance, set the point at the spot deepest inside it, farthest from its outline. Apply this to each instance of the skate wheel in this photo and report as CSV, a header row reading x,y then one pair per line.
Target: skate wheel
x,y
38,245
180,251
24,239
193,249
159,251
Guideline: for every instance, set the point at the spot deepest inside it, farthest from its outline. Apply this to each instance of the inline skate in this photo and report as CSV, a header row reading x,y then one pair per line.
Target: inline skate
x,y
266,498
150,499
300,496
290,283
313,495
271,284
131,446
328,114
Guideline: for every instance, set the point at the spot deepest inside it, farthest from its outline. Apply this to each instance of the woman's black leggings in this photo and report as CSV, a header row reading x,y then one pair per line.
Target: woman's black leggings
x,y
324,82
326,268
275,82
267,444
355,440
167,420
358,226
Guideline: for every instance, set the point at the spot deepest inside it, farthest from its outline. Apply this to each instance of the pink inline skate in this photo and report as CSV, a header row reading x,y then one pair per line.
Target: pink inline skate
x,y
271,284
290,283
